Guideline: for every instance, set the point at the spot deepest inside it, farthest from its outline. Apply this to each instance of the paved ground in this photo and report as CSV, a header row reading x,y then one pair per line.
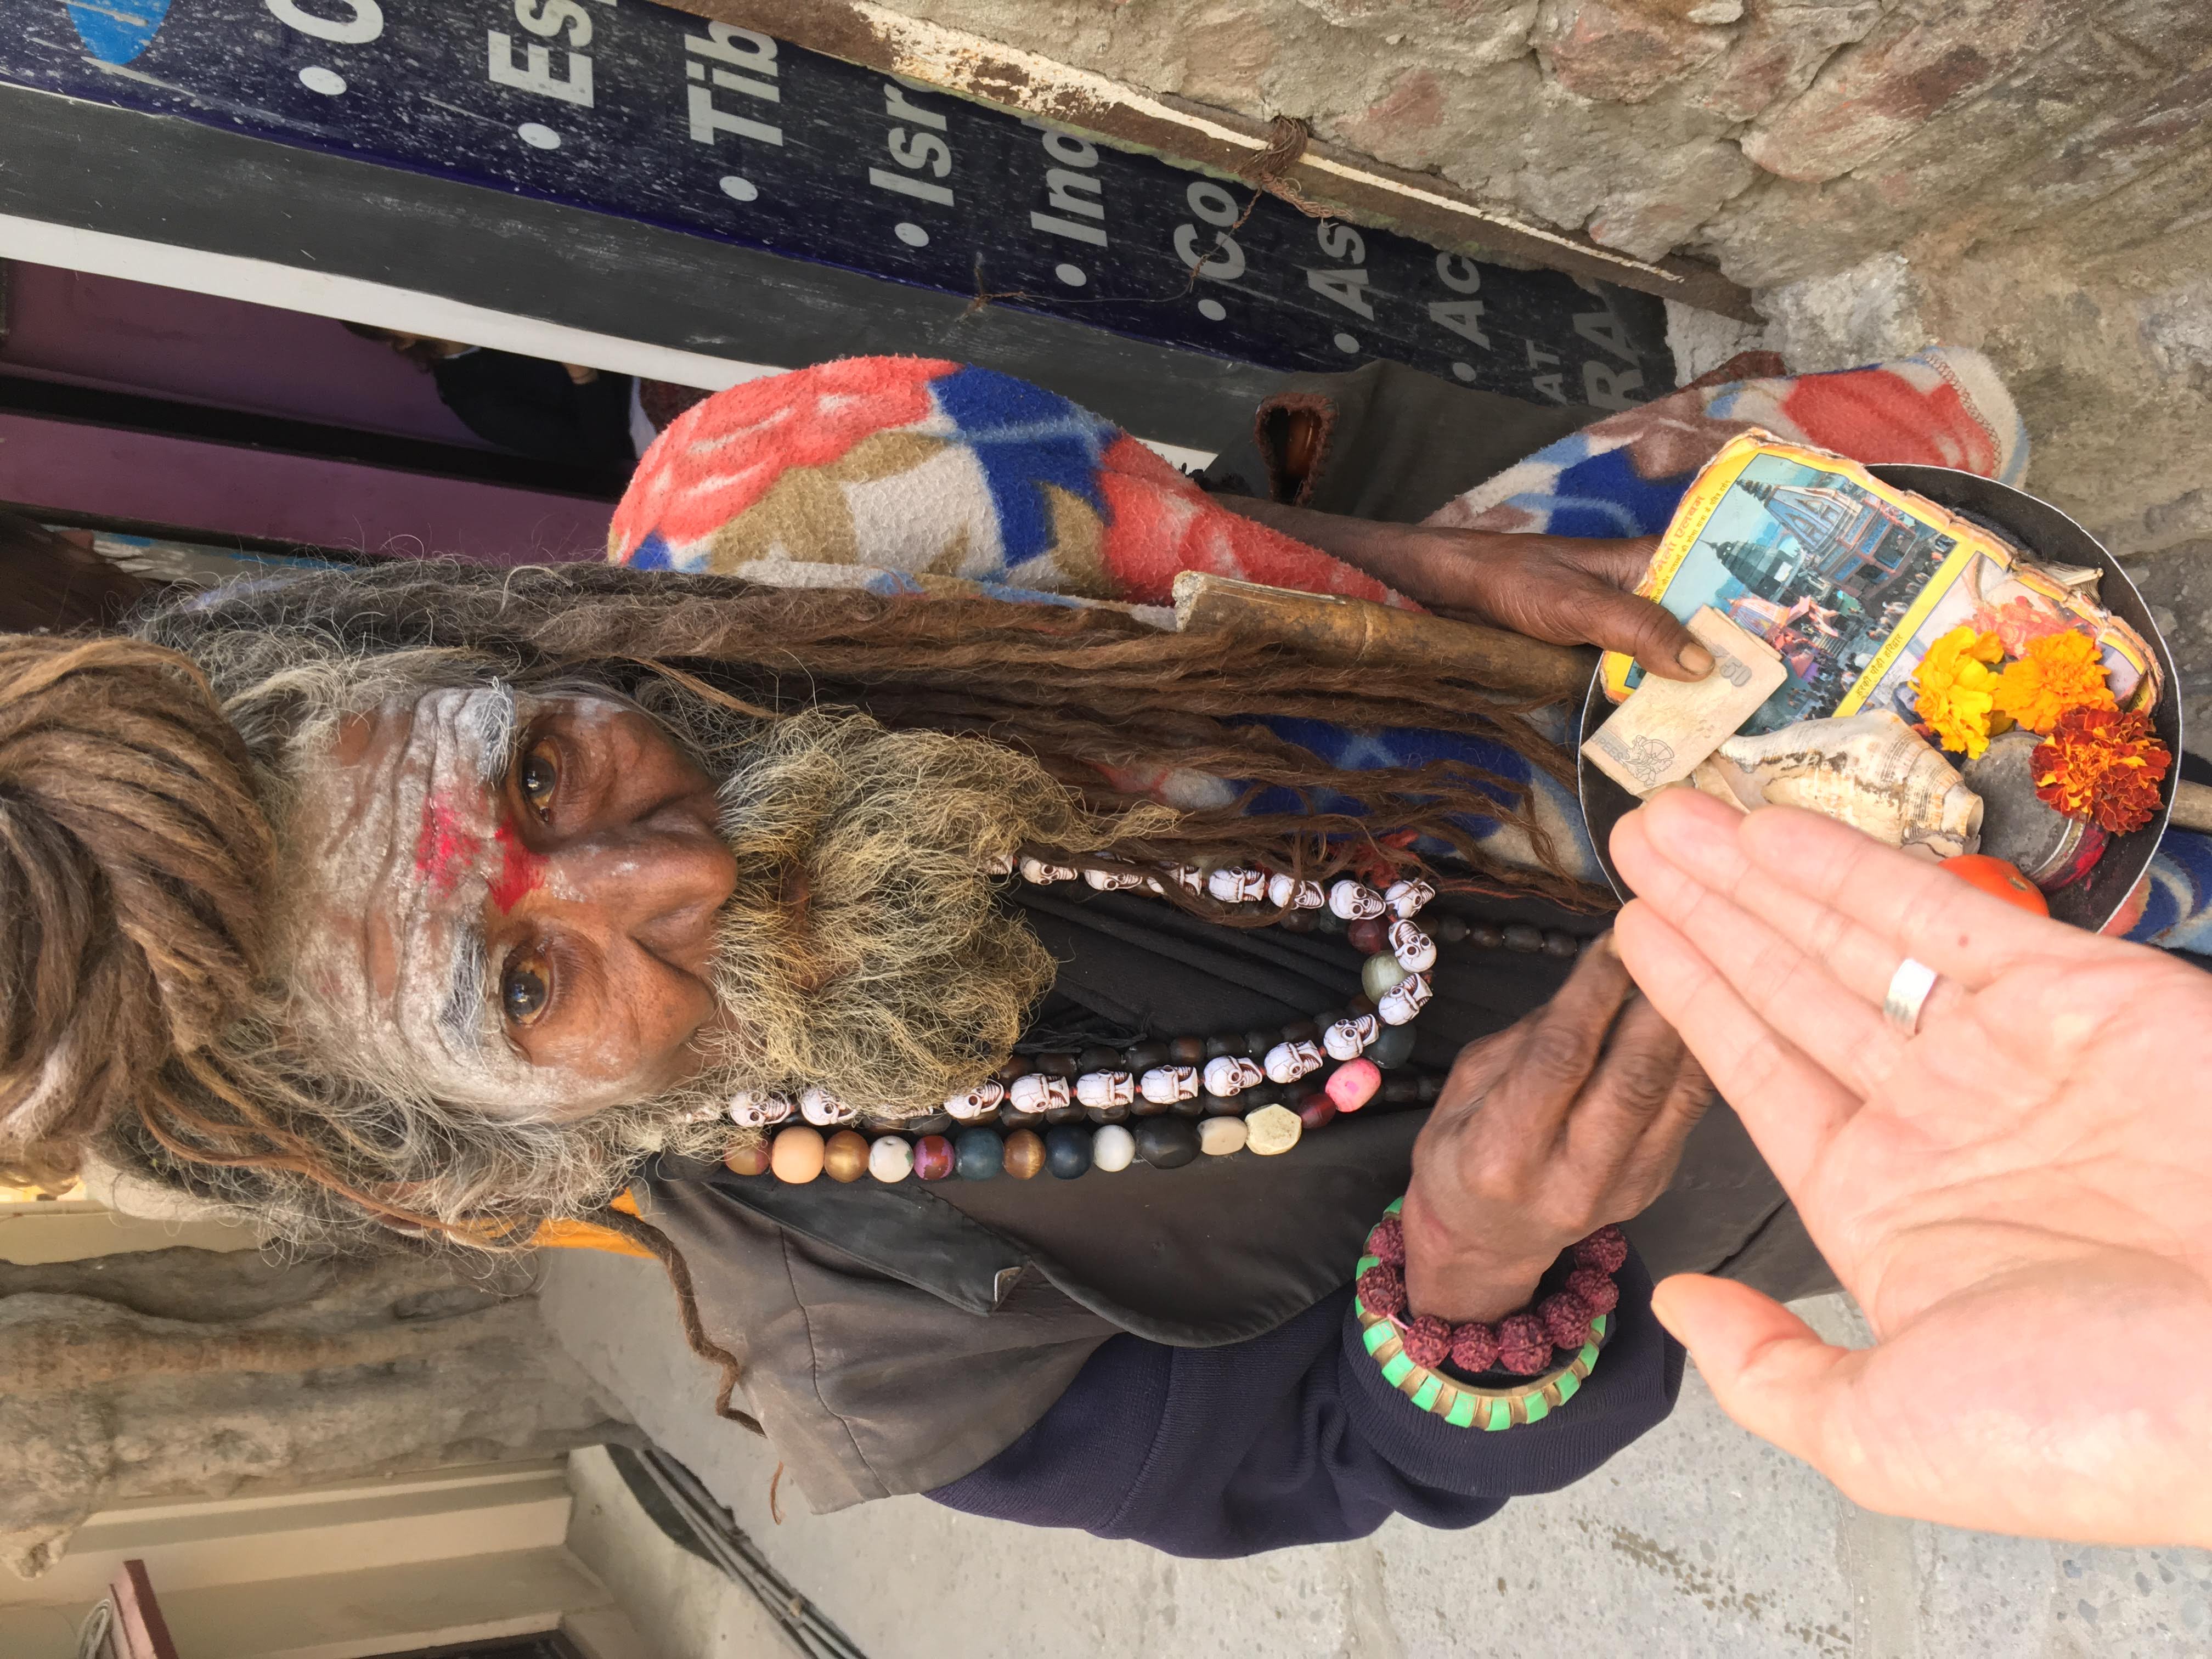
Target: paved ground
x,y
1698,1541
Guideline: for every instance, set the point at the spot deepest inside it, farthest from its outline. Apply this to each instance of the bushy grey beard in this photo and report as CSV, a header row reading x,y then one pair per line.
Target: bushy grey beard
x,y
899,978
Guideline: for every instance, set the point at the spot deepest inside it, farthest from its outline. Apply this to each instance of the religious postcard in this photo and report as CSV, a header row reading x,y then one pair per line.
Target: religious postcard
x,y
1849,580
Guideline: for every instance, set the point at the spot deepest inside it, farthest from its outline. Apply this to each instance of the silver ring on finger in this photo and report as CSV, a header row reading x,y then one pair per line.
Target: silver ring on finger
x,y
1909,989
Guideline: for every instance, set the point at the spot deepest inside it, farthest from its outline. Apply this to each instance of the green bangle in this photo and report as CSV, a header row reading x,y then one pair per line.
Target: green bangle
x,y
1460,1404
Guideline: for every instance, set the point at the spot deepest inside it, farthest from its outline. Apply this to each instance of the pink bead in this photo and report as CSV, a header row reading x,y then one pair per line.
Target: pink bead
x,y
1353,1083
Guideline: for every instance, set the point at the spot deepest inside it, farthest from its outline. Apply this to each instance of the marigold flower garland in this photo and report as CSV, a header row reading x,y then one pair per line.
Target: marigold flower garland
x,y
2054,673
2098,762
1957,689
2102,763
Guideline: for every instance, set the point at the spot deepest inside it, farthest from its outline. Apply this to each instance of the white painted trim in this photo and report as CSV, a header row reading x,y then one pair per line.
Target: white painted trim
x,y
356,300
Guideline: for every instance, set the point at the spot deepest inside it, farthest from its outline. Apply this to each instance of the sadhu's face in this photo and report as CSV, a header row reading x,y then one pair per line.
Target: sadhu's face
x,y
511,900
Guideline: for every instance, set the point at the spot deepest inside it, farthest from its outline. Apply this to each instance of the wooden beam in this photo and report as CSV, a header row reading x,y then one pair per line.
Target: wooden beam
x,y
143,1631
1355,634
1355,187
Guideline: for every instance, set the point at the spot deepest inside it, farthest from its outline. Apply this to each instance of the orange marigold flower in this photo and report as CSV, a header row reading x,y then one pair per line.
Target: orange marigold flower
x,y
2103,764
1955,689
2054,673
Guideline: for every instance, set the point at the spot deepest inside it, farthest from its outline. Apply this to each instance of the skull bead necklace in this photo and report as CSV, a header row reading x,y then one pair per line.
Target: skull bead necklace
x,y
1162,1102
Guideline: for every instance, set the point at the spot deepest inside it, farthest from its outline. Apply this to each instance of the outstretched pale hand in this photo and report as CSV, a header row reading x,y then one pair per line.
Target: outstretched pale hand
x,y
2020,1196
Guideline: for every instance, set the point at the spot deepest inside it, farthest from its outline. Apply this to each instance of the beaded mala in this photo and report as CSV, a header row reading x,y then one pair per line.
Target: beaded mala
x,y
1164,1102
1465,1373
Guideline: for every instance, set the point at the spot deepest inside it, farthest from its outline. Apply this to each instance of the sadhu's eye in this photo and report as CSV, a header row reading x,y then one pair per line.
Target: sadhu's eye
x,y
524,989
540,777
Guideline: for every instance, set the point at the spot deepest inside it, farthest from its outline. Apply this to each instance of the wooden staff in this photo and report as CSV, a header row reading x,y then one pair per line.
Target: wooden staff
x,y
1358,634
2192,807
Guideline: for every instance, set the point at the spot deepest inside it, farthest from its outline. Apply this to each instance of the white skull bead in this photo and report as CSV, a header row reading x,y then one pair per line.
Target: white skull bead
x,y
1113,881
1163,1085
1238,886
1043,874
975,1102
1348,1038
822,1108
1232,1074
1406,898
750,1112
1286,1062
1288,893
1096,1088
1400,1004
1354,901
1188,877
1033,1091
1415,950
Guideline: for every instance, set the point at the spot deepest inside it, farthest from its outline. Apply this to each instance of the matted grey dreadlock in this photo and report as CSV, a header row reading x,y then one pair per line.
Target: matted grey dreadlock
x,y
155,919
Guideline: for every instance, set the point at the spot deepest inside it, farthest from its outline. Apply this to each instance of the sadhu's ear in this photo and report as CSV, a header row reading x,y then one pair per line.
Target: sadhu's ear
x,y
55,584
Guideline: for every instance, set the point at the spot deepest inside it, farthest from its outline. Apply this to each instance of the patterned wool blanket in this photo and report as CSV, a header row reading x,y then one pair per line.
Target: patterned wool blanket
x,y
906,475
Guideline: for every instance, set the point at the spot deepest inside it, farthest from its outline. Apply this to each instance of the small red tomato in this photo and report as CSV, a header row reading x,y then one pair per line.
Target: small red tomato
x,y
1996,877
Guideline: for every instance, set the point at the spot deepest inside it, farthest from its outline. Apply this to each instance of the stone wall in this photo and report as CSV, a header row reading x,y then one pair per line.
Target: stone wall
x,y
2028,176
1780,138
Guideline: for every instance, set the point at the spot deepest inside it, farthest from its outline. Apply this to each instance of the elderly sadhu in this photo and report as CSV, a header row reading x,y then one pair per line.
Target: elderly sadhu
x,y
1091,1074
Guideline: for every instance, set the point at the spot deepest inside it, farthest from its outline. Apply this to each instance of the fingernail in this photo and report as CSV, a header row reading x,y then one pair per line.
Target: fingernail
x,y
1696,658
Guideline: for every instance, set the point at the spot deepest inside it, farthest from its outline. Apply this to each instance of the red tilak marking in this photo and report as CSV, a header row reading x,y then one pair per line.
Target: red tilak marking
x,y
521,872
447,849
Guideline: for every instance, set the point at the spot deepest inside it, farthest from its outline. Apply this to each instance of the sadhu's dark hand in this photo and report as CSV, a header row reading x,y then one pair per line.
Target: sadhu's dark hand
x,y
1563,589
1573,1118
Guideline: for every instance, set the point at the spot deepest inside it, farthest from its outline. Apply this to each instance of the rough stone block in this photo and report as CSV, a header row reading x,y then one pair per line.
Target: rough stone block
x,y
2162,31
1651,220
1225,58
1968,159
1403,126
2125,141
1621,53
1779,231
1779,50
2170,195
1474,126
1571,157
2176,329
1863,315
1881,90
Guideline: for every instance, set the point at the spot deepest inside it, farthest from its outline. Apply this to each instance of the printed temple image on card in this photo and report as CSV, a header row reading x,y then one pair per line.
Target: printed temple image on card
x,y
1793,549
1849,580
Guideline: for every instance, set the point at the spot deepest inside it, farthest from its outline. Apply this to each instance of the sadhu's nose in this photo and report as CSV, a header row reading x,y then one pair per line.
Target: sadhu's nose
x,y
661,880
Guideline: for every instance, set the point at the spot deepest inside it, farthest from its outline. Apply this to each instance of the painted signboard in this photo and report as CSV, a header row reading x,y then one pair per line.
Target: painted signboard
x,y
662,118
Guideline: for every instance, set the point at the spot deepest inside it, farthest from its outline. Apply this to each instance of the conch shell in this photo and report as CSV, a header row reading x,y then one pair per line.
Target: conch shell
x,y
1871,771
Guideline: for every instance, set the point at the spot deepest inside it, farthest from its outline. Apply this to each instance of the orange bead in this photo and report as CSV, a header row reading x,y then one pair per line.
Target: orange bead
x,y
1998,879
845,1156
747,1159
797,1154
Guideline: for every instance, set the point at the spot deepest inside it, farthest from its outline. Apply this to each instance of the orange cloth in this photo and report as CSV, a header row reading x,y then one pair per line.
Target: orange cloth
x,y
590,1235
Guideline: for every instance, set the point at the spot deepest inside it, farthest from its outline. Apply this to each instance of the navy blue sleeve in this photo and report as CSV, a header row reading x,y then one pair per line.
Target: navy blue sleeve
x,y
1295,1438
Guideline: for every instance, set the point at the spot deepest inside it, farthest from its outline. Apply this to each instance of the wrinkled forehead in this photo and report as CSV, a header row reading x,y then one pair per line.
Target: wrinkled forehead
x,y
398,841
